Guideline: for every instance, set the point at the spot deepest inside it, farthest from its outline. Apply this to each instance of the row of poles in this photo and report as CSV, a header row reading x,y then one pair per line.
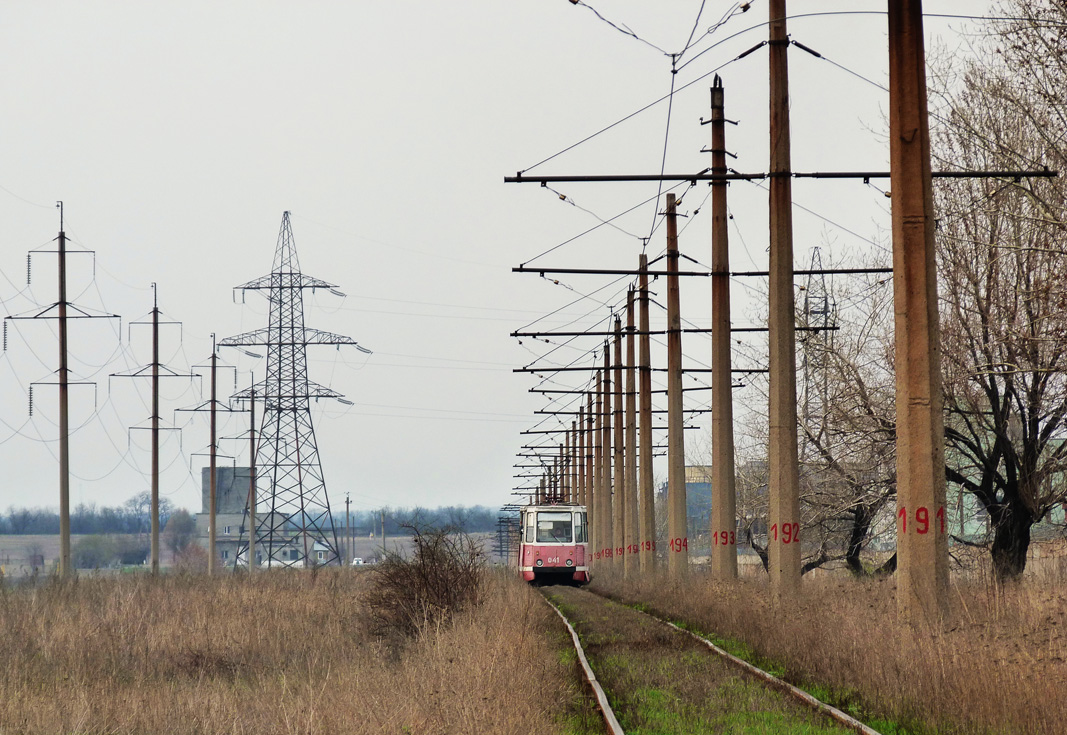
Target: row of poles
x,y
620,503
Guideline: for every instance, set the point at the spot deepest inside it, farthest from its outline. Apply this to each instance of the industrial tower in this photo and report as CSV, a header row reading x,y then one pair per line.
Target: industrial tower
x,y
290,509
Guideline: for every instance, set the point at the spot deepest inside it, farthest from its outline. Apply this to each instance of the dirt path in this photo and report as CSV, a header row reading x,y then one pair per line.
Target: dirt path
x,y
662,681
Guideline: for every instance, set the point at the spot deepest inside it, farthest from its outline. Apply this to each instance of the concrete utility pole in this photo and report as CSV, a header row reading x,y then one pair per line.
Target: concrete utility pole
x,y
155,439
589,473
598,471
348,530
65,568
630,512
619,498
678,545
922,551
252,478
607,540
579,458
212,530
647,493
572,460
783,531
723,491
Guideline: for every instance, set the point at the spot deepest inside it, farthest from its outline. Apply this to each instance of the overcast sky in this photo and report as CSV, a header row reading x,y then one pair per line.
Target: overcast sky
x,y
177,133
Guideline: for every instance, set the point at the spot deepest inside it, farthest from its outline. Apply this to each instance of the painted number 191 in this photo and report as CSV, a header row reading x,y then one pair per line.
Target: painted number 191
x,y
921,519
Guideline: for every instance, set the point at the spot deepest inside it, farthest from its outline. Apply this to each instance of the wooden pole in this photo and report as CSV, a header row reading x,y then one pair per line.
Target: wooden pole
x,y
922,550
647,492
632,563
723,491
783,532
678,544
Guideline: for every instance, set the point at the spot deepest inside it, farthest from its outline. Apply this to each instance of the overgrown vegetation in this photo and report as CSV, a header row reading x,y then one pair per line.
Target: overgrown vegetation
x,y
443,577
285,651
995,667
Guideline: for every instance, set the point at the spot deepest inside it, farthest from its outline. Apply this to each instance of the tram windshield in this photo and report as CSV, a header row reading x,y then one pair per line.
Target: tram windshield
x,y
554,527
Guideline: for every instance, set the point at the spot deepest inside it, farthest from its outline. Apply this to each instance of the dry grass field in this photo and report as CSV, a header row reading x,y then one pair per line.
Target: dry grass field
x,y
283,652
997,665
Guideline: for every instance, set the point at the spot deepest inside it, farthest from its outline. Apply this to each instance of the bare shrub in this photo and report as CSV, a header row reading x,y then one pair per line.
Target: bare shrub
x,y
191,558
443,577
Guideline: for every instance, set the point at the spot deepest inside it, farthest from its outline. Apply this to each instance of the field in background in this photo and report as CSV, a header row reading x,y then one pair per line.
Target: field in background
x,y
284,652
997,665
15,550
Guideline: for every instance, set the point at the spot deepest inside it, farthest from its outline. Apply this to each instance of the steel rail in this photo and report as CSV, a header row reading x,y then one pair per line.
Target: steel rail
x,y
769,679
598,691
829,710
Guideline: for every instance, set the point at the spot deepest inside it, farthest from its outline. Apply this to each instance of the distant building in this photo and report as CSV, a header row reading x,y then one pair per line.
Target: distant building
x,y
231,499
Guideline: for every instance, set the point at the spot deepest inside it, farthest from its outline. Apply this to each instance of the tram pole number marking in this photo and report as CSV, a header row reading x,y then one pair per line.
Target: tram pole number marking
x,y
921,518
790,533
648,546
679,544
724,538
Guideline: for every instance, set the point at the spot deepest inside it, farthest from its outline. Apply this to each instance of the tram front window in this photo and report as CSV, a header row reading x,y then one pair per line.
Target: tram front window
x,y
554,527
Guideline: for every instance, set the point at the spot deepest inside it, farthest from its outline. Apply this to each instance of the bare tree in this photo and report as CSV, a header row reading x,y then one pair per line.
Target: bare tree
x,y
1002,261
847,421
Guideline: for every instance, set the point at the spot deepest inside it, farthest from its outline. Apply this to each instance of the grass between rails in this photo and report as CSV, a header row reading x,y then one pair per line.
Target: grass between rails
x,y
995,666
663,682
285,652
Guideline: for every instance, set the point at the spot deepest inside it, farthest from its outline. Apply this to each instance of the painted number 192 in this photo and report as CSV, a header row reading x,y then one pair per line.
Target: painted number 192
x,y
790,533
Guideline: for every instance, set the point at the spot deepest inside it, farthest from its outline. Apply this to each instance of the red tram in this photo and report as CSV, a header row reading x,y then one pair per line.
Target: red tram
x,y
554,544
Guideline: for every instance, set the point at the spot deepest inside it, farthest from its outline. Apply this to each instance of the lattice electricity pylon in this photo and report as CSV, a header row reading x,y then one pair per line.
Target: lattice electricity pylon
x,y
820,314
293,520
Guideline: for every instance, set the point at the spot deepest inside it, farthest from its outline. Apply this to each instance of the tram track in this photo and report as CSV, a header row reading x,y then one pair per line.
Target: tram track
x,y
606,634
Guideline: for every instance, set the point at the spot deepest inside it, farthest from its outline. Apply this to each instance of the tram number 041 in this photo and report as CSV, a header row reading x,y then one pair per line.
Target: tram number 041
x,y
790,533
724,538
921,518
679,544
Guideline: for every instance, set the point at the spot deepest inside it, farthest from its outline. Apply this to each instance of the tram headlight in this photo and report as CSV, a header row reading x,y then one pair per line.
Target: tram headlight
x,y
570,562
540,562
